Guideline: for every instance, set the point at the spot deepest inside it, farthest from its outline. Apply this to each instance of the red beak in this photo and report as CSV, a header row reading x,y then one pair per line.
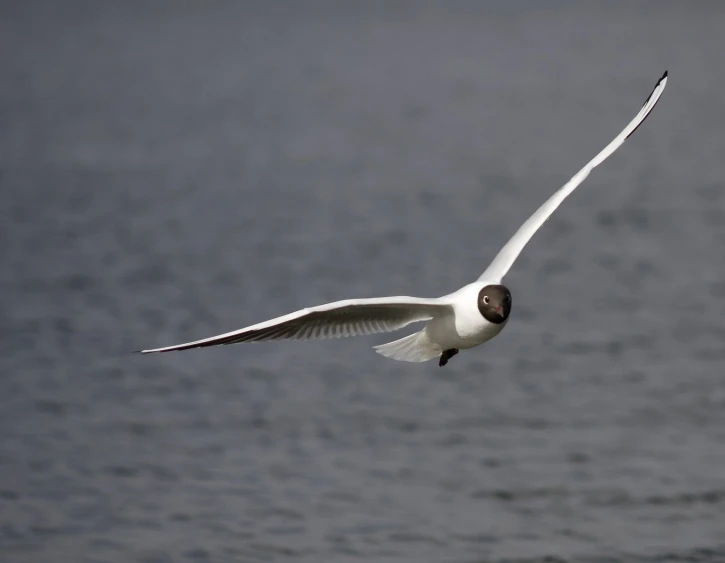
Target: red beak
x,y
499,310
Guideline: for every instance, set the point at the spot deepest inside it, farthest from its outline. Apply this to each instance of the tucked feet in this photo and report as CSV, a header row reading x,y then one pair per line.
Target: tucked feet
x,y
447,355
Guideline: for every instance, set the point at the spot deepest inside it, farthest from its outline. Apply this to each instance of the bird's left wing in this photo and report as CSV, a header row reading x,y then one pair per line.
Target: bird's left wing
x,y
508,254
351,317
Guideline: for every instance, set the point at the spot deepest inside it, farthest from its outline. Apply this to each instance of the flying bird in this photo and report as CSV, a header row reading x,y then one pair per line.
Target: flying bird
x,y
458,321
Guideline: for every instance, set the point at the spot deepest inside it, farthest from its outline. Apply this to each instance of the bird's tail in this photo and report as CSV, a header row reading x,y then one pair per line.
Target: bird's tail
x,y
414,348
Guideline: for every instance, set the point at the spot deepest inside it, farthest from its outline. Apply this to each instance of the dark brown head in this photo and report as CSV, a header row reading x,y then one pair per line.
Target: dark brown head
x,y
494,302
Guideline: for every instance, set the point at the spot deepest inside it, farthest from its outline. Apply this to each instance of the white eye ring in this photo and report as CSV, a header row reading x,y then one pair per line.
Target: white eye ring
x,y
485,300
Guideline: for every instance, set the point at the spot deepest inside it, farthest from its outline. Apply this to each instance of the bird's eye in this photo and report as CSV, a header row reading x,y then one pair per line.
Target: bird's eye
x,y
507,298
485,299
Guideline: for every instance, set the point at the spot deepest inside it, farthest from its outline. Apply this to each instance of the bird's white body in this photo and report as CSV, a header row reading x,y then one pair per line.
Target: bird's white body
x,y
466,327
459,328
453,322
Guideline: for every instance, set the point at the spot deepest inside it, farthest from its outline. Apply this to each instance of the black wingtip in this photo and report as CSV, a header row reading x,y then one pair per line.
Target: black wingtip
x,y
655,88
646,102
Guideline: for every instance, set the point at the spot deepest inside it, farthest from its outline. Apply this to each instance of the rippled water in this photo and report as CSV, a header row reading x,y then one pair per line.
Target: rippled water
x,y
174,170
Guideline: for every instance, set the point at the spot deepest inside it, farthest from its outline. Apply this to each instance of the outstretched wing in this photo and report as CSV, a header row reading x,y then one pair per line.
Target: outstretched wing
x,y
351,317
508,254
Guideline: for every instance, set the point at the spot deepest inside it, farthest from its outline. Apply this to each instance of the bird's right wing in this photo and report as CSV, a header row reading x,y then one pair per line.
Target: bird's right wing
x,y
508,254
351,317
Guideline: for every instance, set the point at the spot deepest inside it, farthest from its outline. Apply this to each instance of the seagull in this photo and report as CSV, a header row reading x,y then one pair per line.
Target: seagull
x,y
458,321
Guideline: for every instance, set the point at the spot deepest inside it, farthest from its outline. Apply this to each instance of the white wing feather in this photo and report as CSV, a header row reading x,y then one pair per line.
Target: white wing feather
x,y
508,254
351,317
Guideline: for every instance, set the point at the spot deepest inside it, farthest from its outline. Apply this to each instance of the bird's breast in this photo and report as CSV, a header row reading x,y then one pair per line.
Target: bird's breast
x,y
460,331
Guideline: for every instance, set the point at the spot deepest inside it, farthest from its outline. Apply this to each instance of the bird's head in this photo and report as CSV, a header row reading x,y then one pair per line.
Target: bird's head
x,y
494,303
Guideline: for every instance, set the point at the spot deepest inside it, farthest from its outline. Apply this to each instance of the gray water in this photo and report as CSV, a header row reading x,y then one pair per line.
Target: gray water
x,y
174,170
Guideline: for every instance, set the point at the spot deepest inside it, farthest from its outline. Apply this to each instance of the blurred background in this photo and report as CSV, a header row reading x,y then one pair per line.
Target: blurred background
x,y
173,170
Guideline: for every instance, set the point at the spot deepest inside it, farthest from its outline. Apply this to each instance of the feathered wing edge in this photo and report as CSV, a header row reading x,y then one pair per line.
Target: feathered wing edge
x,y
511,250
340,319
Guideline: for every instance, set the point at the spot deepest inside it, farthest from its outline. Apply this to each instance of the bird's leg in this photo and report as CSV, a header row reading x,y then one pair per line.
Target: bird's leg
x,y
447,355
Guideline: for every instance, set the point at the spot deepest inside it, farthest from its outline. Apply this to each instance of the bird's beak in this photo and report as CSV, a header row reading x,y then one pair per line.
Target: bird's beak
x,y
499,311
